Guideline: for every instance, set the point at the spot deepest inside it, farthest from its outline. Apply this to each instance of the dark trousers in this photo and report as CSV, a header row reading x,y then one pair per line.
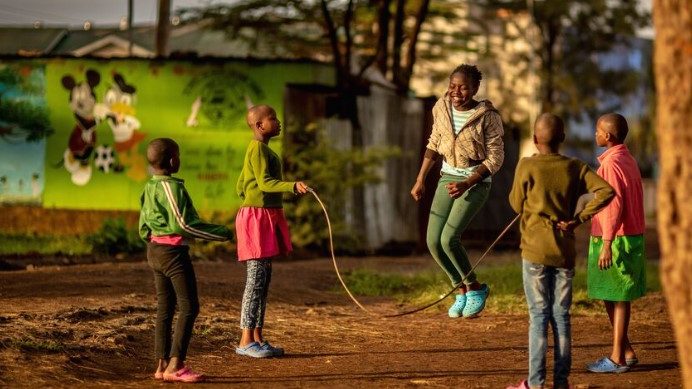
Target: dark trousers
x,y
175,282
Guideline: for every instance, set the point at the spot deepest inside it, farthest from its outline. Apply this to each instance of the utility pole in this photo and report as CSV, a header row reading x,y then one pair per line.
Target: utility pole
x,y
129,26
163,27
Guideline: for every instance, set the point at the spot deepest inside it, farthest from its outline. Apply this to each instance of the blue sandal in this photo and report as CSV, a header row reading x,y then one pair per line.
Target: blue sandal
x,y
458,307
475,301
606,365
276,351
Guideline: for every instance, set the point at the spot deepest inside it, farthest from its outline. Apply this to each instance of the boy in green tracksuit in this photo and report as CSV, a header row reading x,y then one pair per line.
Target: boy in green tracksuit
x,y
167,221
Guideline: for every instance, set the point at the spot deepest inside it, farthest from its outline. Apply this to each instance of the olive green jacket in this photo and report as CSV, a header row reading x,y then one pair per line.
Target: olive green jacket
x,y
261,183
545,191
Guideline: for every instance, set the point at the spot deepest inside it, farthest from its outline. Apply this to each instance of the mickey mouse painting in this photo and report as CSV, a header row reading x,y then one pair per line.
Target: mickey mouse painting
x,y
83,137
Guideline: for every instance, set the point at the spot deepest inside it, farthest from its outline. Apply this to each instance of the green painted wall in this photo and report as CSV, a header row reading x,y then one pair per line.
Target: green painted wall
x,y
212,151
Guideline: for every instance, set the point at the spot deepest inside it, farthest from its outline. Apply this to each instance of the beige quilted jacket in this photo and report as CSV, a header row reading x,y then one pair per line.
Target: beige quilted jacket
x,y
480,140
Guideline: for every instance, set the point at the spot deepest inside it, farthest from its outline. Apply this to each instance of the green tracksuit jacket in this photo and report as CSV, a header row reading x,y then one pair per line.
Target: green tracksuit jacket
x,y
167,209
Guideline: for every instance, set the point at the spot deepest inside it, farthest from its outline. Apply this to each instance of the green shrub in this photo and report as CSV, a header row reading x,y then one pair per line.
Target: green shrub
x,y
115,238
333,173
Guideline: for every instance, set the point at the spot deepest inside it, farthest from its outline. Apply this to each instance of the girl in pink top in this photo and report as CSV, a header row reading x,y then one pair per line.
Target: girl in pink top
x,y
616,269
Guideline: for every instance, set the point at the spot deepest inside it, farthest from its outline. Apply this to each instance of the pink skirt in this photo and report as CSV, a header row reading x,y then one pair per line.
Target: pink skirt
x,y
261,233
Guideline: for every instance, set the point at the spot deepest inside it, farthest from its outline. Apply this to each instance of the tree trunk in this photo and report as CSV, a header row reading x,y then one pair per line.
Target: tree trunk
x,y
163,27
551,33
383,16
398,41
673,71
411,53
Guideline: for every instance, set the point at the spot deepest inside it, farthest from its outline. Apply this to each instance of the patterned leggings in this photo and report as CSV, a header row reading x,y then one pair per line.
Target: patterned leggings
x,y
259,274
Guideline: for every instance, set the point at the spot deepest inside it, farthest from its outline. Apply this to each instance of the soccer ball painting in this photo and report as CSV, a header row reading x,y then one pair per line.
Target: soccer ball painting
x,y
104,158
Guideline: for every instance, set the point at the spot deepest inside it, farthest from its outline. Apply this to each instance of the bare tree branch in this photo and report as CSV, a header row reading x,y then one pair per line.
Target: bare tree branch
x,y
398,40
411,53
334,41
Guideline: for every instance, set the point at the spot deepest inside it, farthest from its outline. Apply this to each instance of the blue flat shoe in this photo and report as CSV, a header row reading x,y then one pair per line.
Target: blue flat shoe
x,y
606,365
276,351
458,307
254,350
475,301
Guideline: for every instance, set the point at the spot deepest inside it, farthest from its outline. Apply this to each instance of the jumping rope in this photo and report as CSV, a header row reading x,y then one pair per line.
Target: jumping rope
x,y
455,287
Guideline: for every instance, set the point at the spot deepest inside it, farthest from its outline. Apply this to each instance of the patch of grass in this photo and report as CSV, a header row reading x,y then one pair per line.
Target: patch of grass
x,y
115,237
44,245
506,287
368,283
28,345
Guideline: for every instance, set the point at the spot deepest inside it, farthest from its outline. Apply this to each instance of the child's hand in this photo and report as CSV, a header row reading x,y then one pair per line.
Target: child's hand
x,y
418,190
456,189
301,187
605,260
567,226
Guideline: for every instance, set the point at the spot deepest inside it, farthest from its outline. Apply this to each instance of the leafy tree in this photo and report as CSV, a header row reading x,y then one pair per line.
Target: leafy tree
x,y
570,36
353,34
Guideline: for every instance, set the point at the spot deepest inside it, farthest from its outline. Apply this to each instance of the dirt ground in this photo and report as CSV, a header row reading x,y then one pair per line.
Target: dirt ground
x,y
92,325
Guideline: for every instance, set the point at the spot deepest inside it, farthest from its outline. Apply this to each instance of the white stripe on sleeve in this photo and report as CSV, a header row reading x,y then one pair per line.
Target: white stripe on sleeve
x,y
181,221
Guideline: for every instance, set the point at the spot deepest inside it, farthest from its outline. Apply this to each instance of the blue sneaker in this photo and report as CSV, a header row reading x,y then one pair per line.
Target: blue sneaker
x,y
458,307
475,301
606,365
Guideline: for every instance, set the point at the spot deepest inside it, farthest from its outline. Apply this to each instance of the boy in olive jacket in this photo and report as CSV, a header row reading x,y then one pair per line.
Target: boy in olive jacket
x,y
545,192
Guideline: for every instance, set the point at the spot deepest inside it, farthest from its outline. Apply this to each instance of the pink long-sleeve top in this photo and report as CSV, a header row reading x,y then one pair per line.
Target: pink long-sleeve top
x,y
625,213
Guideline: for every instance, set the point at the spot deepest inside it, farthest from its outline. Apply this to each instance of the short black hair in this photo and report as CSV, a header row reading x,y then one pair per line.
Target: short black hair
x,y
160,151
549,129
470,71
616,125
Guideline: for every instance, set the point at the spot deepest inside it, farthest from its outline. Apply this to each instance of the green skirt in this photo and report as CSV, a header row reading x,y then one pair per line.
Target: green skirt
x,y
625,280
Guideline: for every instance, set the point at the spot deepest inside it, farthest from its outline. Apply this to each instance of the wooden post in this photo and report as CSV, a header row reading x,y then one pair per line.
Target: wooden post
x,y
163,28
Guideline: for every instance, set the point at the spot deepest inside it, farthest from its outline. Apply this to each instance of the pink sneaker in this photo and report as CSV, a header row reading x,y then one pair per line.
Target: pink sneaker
x,y
522,385
183,375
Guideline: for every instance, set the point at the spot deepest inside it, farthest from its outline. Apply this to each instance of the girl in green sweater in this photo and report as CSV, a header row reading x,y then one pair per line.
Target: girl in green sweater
x,y
261,227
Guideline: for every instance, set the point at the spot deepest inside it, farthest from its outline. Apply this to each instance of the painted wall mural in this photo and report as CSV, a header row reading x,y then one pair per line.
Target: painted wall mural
x,y
24,125
103,113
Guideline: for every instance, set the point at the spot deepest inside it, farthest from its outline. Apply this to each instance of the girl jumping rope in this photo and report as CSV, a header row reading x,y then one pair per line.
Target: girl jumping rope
x,y
467,134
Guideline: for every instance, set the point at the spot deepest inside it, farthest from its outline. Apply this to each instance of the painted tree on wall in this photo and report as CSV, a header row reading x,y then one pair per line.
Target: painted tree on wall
x,y
22,115
673,70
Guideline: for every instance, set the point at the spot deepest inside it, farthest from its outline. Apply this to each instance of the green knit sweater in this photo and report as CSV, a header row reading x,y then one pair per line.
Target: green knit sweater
x,y
260,183
545,190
